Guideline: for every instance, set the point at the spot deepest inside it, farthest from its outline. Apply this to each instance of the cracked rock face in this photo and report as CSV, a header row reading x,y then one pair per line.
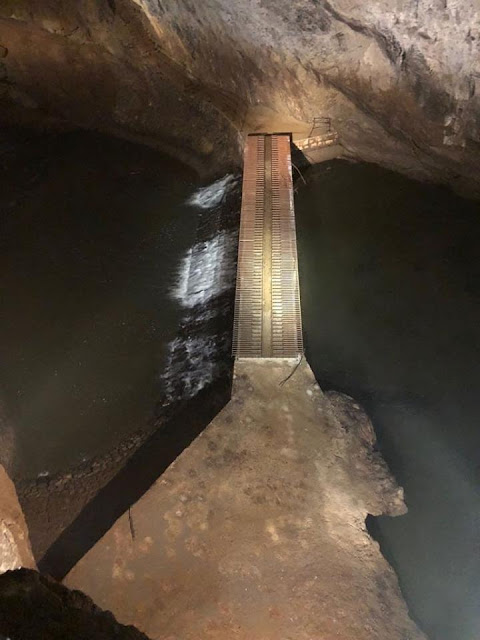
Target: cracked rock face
x,y
400,80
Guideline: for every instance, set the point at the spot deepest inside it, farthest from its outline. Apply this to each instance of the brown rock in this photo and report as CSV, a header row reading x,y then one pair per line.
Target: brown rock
x,y
399,80
267,539
35,607
15,551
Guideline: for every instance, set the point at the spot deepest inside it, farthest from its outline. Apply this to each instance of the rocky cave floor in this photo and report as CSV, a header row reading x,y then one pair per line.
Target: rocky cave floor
x,y
257,530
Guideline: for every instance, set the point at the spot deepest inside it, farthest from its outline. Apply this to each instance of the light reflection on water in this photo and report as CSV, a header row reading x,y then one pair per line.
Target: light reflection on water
x,y
93,230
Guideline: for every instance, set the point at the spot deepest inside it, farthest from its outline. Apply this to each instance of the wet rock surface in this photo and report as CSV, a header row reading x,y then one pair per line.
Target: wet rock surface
x,y
257,530
400,81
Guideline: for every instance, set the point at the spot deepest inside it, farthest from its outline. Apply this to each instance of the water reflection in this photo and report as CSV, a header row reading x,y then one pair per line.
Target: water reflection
x,y
92,233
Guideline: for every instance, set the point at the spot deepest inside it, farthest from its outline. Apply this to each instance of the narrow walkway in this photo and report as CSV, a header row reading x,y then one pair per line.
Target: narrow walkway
x,y
268,319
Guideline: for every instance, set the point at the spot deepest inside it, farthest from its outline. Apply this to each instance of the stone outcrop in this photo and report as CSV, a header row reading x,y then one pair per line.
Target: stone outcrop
x,y
400,80
15,551
257,530
35,607
98,65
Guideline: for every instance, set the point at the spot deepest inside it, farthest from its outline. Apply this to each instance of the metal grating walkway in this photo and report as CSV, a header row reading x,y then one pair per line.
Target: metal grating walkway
x,y
268,321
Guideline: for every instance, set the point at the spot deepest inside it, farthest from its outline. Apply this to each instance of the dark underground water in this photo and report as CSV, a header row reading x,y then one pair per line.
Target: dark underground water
x,y
92,233
390,285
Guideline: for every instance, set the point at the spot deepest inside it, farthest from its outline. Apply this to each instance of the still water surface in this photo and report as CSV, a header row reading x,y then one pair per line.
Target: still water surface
x,y
92,232
390,284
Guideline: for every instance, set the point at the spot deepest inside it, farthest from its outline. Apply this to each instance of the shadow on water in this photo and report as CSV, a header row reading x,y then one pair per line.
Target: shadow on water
x,y
143,468
391,308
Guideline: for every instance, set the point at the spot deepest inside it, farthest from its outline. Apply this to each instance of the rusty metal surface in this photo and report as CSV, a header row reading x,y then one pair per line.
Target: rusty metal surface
x,y
286,312
247,332
267,304
317,142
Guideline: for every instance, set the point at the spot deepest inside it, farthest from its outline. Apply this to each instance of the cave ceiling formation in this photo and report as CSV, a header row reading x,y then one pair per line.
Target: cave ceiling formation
x,y
400,80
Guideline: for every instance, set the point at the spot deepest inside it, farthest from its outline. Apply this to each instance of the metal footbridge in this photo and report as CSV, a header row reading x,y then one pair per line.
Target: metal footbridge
x,y
268,322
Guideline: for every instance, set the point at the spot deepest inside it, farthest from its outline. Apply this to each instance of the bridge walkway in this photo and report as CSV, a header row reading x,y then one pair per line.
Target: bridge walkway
x,y
268,319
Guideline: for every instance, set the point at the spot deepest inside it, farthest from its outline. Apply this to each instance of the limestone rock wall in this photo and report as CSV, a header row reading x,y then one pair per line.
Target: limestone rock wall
x,y
401,80
97,65
15,551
